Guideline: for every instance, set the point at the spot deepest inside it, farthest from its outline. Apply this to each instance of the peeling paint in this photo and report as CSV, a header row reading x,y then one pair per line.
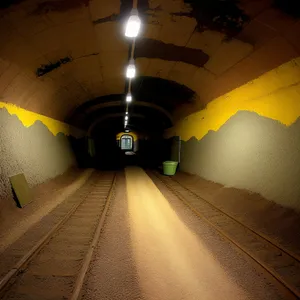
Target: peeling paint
x,y
221,15
111,18
44,69
156,49
59,5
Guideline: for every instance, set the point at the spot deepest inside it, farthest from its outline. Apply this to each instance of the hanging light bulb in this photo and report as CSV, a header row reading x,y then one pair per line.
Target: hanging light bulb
x,y
130,72
128,97
126,118
133,24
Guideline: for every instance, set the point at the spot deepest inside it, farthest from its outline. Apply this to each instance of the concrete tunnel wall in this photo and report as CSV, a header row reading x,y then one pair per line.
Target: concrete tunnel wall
x,y
249,138
34,145
35,35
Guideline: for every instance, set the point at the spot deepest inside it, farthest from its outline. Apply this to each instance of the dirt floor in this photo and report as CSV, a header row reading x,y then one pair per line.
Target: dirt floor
x,y
52,272
16,221
279,223
153,247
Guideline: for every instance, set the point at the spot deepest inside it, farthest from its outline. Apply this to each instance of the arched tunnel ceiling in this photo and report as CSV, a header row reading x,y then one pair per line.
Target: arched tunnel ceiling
x,y
61,57
155,99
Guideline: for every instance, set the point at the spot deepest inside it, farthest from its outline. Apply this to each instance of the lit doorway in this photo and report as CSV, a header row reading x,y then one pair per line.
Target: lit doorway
x,y
126,142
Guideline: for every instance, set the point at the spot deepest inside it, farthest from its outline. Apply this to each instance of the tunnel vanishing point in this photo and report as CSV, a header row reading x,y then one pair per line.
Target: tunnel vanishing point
x,y
217,89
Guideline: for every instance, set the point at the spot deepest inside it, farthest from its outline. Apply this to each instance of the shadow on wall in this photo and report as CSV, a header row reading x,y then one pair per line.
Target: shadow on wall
x,y
107,151
249,152
80,149
34,151
104,156
153,152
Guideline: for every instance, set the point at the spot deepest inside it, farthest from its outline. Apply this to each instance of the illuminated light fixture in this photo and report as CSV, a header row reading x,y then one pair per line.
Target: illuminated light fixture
x,y
126,118
133,25
126,113
128,98
130,72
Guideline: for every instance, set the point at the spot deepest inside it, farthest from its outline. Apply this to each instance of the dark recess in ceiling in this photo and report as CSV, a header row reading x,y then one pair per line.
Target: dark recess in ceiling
x,y
125,9
291,7
164,93
140,114
221,15
59,5
49,5
8,3
156,49
126,6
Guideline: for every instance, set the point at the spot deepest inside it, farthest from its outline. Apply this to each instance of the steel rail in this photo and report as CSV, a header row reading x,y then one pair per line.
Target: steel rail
x,y
279,278
10,277
263,236
88,257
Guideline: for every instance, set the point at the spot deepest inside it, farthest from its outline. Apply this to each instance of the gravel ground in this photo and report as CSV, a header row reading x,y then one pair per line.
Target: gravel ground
x,y
51,273
47,196
251,209
112,274
153,247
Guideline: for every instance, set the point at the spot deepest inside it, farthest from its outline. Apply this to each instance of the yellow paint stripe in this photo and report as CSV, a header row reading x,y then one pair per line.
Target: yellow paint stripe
x,y
134,135
28,118
275,95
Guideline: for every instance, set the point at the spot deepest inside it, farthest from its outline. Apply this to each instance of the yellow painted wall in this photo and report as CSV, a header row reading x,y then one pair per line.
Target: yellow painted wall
x,y
28,118
133,134
275,95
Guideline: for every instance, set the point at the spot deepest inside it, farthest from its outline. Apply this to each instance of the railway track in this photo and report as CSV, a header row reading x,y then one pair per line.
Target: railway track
x,y
279,262
55,267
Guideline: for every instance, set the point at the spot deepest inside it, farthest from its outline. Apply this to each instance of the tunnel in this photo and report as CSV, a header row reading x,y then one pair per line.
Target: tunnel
x,y
149,149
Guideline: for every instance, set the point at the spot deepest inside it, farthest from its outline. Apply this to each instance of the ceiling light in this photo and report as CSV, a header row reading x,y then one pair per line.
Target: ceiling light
x,y
130,72
128,97
126,118
133,25
126,113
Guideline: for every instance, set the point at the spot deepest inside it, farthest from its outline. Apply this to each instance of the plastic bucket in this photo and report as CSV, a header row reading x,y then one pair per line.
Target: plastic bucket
x,y
169,167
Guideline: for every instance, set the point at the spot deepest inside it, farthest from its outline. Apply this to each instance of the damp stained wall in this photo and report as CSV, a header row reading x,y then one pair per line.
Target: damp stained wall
x,y
249,138
34,145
